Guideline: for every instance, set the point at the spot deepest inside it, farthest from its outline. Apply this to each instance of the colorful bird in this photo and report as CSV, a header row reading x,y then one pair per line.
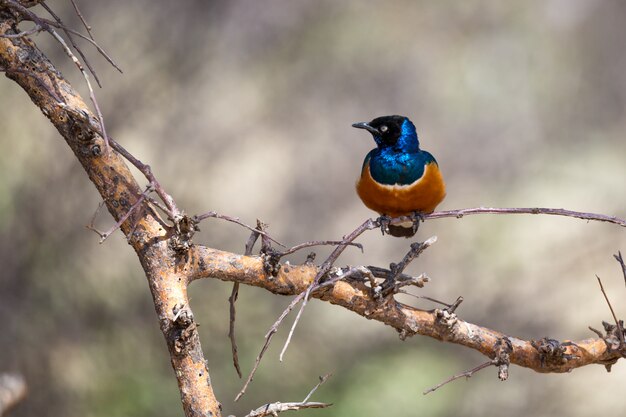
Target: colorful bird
x,y
397,177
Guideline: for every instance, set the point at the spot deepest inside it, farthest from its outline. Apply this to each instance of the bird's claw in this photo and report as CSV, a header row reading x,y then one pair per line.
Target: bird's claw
x,y
416,218
384,222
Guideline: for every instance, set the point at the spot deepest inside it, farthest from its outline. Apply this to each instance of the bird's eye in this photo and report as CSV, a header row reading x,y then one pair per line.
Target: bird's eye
x,y
383,128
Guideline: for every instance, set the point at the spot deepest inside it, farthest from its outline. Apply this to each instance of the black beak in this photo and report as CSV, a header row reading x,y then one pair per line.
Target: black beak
x,y
366,126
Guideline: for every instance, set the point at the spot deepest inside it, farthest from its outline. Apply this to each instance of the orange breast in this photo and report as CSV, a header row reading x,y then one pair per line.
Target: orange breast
x,y
423,195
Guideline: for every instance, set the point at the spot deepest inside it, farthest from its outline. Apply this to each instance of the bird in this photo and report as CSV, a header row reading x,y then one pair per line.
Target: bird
x,y
397,177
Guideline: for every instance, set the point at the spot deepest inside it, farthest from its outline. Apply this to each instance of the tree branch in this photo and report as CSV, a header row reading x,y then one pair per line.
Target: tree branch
x,y
163,266
525,210
355,296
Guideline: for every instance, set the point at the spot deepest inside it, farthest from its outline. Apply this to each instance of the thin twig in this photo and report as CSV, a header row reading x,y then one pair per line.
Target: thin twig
x,y
213,214
322,380
92,95
268,339
522,210
307,293
340,275
467,374
27,14
617,322
619,259
88,39
41,83
231,327
369,224
416,249
118,224
272,409
71,39
319,243
82,18
29,32
172,210
233,312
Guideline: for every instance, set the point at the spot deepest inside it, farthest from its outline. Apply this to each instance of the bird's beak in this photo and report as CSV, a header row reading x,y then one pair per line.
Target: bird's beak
x,y
366,126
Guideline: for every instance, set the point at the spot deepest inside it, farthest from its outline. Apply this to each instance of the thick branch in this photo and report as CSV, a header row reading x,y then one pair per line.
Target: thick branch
x,y
354,295
119,190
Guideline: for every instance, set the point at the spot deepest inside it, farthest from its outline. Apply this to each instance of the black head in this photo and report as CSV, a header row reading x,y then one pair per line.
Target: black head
x,y
387,129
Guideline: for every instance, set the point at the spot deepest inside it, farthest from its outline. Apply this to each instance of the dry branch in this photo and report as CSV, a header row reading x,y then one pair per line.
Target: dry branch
x,y
167,277
356,296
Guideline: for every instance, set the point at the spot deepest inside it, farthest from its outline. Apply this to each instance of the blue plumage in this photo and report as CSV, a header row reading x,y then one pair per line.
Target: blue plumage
x,y
401,162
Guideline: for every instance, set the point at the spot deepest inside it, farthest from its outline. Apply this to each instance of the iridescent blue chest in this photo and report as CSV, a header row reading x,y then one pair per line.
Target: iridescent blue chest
x,y
392,166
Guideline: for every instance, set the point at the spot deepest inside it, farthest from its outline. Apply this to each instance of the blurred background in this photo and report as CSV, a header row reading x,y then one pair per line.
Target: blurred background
x,y
244,107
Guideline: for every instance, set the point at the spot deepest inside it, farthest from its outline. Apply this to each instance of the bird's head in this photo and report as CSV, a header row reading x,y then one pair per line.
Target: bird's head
x,y
392,132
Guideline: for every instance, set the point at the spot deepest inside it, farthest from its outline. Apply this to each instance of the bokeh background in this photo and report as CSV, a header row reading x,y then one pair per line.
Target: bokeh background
x,y
244,107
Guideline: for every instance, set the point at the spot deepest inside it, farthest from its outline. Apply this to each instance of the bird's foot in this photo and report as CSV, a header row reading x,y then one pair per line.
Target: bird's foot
x,y
416,218
384,222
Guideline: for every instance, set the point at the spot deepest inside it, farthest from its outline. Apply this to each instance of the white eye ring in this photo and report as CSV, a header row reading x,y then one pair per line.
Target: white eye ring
x,y
383,128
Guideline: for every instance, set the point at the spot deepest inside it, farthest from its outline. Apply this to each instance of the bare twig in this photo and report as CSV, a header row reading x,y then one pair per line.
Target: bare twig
x,y
328,263
71,39
120,222
82,18
268,339
40,82
620,331
233,312
213,214
172,210
274,408
416,249
88,39
523,210
12,391
319,384
231,327
92,95
619,259
29,32
466,374
319,243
